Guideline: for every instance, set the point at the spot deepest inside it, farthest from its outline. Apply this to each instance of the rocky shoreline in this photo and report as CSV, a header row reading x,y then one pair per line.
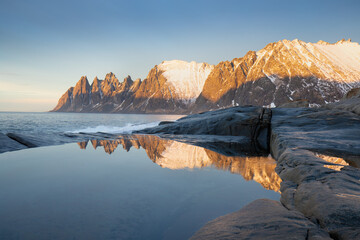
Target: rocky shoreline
x,y
318,157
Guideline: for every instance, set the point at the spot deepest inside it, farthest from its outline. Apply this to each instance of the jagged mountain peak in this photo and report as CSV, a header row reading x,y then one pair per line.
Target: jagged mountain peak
x,y
343,41
338,42
82,86
96,85
323,42
83,79
109,75
128,79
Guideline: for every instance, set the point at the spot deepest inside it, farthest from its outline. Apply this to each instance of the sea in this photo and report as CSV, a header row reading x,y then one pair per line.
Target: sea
x,y
54,127
132,187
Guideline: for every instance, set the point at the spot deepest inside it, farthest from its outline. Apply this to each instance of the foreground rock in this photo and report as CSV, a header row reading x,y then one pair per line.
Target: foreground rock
x,y
261,219
308,145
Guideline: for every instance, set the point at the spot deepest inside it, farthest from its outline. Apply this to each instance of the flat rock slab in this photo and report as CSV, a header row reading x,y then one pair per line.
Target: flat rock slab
x,y
261,219
250,122
7,144
18,141
329,131
24,140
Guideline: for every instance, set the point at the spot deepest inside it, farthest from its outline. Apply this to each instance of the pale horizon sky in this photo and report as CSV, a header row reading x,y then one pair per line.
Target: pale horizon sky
x,y
46,46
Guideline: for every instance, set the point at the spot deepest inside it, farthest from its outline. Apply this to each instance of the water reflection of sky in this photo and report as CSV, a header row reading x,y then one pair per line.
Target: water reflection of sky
x,y
63,192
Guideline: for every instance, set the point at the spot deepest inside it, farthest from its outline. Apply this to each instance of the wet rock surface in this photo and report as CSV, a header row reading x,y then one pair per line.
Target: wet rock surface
x,y
261,219
8,144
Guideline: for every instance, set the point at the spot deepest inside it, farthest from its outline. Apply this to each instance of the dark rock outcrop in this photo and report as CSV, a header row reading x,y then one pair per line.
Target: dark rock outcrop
x,y
7,144
250,122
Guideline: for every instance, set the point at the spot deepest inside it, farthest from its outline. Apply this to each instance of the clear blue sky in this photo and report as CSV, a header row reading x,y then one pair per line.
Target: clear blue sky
x,y
46,46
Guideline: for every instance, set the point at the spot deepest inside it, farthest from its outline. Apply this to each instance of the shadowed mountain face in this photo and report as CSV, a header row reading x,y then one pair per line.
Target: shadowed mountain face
x,y
177,155
282,72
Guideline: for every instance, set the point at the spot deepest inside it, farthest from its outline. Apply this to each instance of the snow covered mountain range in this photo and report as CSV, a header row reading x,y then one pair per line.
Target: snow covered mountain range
x,y
281,72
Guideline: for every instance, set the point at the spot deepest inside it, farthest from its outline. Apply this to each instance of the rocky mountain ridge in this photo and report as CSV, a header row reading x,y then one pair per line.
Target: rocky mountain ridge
x,y
282,72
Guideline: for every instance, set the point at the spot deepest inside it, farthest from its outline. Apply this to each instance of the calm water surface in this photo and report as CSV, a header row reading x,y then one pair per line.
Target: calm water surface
x,y
138,188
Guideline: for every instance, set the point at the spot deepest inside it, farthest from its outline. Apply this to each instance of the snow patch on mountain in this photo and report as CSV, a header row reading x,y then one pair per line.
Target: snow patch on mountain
x,y
339,62
345,55
186,79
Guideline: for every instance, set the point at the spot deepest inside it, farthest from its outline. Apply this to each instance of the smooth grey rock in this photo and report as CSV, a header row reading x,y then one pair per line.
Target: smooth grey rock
x,y
23,139
261,219
7,144
250,122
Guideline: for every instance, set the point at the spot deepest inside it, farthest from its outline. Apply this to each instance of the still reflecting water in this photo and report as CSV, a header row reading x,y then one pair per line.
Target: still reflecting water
x,y
177,155
149,188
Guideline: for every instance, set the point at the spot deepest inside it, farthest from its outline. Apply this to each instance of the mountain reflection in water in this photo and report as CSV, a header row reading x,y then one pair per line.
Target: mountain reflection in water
x,y
338,162
178,155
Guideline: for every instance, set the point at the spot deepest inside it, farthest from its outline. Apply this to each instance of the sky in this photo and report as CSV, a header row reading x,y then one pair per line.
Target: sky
x,y
46,45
